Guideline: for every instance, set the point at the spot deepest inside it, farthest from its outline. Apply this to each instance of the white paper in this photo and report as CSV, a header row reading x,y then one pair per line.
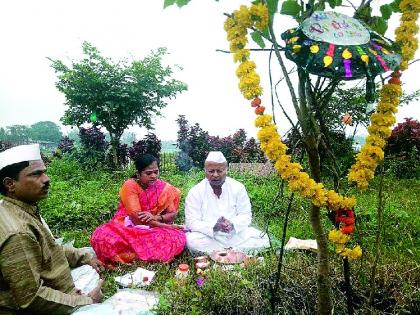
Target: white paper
x,y
136,278
85,278
295,243
126,301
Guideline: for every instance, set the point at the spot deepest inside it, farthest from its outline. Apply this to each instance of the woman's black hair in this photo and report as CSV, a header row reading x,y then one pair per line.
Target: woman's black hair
x,y
11,171
144,160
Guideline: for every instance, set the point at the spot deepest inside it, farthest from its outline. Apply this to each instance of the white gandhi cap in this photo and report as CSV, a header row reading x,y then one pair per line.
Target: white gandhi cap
x,y
21,153
216,157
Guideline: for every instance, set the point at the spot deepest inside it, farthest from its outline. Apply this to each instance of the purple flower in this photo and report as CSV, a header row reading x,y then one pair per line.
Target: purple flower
x,y
200,281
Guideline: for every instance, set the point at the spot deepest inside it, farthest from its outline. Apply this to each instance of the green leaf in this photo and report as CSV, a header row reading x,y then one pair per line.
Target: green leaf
x,y
379,24
181,3
332,3
167,3
386,11
266,34
395,6
290,7
256,37
272,6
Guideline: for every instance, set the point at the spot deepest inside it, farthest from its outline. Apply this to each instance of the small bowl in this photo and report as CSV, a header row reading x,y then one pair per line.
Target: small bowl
x,y
202,265
201,259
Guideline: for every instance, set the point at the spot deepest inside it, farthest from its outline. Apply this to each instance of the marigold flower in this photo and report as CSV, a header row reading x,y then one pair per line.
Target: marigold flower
x,y
264,120
336,236
243,16
259,14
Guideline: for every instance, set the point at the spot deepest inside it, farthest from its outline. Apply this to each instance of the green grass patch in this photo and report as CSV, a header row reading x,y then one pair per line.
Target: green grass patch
x,y
80,201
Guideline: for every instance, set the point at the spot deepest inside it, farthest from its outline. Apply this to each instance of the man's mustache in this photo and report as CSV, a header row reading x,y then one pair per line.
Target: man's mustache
x,y
46,186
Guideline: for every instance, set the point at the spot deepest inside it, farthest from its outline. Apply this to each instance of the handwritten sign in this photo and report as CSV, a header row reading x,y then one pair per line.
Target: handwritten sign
x,y
335,28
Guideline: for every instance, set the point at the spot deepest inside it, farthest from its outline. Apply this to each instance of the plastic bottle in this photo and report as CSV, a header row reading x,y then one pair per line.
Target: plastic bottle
x,y
182,272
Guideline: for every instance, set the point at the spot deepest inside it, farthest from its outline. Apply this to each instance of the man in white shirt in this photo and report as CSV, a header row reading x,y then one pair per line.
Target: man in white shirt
x,y
218,212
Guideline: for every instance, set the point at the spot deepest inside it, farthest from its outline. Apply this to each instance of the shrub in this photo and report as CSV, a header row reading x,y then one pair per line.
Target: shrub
x,y
406,166
150,144
93,138
404,137
196,143
66,145
403,150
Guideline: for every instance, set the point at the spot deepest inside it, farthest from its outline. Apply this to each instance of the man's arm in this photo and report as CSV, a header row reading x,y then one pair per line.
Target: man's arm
x,y
193,219
243,214
20,265
76,256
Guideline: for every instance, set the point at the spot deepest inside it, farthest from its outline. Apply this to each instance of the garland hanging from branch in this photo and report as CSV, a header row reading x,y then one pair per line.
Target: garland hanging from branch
x,y
381,121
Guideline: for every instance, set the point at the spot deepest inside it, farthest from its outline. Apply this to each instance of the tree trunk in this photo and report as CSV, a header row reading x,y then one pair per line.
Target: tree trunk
x,y
115,142
311,140
323,281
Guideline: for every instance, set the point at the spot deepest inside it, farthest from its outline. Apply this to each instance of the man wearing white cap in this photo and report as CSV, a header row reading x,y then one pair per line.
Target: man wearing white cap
x,y
34,271
218,212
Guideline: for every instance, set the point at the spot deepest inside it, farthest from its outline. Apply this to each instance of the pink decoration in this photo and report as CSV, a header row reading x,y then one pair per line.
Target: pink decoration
x,y
382,62
330,51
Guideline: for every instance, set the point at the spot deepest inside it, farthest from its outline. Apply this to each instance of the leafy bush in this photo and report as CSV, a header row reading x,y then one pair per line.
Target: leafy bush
x,y
404,137
94,152
196,143
406,166
150,144
403,149
66,145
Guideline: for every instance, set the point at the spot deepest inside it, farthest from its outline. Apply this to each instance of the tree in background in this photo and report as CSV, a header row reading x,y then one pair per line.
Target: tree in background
x,y
42,131
45,131
115,95
17,134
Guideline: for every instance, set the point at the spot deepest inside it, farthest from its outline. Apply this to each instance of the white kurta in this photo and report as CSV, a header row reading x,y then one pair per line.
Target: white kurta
x,y
203,209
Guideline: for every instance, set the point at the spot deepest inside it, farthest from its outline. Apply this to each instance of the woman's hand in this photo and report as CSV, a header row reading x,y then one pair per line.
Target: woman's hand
x,y
178,227
147,217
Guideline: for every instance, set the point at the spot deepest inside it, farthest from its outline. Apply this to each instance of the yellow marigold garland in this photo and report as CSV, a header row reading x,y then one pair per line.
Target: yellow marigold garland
x,y
381,121
367,160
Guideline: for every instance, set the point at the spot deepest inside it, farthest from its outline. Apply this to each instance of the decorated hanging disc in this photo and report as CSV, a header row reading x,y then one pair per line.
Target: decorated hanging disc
x,y
93,117
334,45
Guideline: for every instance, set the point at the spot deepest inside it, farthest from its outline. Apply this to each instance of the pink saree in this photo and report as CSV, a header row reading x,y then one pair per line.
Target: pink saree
x,y
120,241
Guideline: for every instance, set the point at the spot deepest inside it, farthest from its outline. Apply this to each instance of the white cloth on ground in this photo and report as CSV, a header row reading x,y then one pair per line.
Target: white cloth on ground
x,y
203,209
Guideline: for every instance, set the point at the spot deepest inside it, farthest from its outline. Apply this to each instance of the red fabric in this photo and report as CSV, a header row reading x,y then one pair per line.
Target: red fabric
x,y
114,242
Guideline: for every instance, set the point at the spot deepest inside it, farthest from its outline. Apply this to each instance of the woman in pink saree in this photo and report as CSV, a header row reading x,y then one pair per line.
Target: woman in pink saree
x,y
143,226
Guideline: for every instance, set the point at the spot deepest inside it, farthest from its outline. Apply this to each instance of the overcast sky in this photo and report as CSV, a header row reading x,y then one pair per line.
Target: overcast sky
x,y
33,30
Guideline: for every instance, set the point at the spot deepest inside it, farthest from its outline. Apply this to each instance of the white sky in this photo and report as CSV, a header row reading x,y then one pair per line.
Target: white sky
x,y
31,30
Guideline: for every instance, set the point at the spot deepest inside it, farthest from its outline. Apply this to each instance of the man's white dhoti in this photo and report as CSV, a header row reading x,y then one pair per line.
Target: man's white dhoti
x,y
203,209
249,241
